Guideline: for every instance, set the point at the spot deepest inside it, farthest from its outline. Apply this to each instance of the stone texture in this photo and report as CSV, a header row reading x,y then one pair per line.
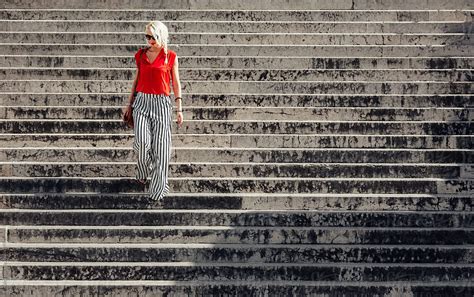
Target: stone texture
x,y
245,4
248,113
190,63
411,4
191,127
231,218
457,25
252,87
251,288
245,141
251,100
180,154
240,170
327,150
257,201
440,75
243,185
190,4
248,50
241,15
3,237
257,254
241,272
244,38
236,235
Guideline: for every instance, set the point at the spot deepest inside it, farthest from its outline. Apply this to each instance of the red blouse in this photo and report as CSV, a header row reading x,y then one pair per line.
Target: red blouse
x,y
154,78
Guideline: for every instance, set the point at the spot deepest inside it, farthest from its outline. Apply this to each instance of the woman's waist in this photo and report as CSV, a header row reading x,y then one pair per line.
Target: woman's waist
x,y
151,94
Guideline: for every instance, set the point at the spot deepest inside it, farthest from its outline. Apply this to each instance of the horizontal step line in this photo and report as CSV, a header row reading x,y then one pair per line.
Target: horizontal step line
x,y
248,33
239,10
247,81
251,57
241,135
237,121
252,107
231,211
231,264
431,179
220,228
260,283
256,69
50,148
306,164
229,245
257,120
254,94
250,195
230,21
240,45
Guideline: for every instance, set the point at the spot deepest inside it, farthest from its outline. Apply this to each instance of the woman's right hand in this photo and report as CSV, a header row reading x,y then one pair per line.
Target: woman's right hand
x,y
127,108
127,115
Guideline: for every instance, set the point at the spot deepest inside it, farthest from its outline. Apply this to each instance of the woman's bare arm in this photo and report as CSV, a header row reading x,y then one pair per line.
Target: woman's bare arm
x,y
131,98
177,92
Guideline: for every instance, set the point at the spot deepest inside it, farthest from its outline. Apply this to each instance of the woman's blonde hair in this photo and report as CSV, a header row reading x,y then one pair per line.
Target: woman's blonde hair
x,y
160,33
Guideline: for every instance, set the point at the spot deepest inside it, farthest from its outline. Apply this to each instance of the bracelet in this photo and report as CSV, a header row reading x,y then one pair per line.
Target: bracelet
x,y
177,98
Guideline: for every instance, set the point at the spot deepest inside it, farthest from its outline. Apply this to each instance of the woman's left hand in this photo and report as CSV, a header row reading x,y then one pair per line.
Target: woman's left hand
x,y
179,119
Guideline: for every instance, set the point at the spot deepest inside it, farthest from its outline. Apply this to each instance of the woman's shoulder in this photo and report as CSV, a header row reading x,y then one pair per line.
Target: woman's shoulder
x,y
172,53
140,50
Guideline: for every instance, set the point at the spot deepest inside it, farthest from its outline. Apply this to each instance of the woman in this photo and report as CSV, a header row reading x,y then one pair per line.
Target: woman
x,y
152,107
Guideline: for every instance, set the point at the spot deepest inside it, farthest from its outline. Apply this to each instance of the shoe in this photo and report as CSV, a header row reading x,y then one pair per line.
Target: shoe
x,y
141,181
160,203
142,184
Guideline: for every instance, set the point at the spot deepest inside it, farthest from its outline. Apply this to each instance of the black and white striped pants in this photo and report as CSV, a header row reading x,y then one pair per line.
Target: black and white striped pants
x,y
152,121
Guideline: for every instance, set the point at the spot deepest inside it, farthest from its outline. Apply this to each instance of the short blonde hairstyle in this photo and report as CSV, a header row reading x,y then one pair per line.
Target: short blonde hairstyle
x,y
160,33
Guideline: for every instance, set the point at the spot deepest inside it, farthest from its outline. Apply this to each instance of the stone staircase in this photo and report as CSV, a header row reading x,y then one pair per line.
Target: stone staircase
x,y
327,150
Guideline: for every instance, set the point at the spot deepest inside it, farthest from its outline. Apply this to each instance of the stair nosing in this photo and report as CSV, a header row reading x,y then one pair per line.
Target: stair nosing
x,y
8,245
228,228
233,211
231,264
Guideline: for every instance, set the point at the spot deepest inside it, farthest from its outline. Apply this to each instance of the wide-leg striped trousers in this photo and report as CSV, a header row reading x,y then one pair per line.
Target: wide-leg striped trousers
x,y
152,142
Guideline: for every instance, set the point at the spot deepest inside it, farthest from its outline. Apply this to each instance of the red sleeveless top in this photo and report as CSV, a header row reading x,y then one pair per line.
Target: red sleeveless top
x,y
154,77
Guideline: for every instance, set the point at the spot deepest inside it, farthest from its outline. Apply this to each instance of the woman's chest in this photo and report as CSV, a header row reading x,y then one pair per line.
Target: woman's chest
x,y
151,57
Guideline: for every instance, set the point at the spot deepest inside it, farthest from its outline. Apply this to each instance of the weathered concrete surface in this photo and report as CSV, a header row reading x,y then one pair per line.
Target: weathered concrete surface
x,y
327,150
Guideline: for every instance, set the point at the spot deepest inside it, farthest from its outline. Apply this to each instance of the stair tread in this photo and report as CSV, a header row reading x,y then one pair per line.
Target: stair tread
x,y
234,264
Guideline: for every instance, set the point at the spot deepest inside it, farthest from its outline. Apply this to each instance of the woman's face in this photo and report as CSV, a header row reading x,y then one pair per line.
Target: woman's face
x,y
151,42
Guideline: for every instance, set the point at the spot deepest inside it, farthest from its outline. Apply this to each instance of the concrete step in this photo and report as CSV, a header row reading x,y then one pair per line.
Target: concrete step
x,y
325,87
250,201
245,141
255,209
190,271
247,26
209,154
246,87
250,100
245,4
257,255
240,170
245,14
212,288
125,62
267,39
241,185
235,235
250,113
238,217
224,74
453,50
246,127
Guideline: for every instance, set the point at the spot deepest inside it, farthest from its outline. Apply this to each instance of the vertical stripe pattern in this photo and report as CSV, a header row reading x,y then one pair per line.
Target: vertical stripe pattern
x,y
152,142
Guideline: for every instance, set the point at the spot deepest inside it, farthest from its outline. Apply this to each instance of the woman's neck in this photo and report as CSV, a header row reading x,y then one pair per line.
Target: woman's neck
x,y
155,49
